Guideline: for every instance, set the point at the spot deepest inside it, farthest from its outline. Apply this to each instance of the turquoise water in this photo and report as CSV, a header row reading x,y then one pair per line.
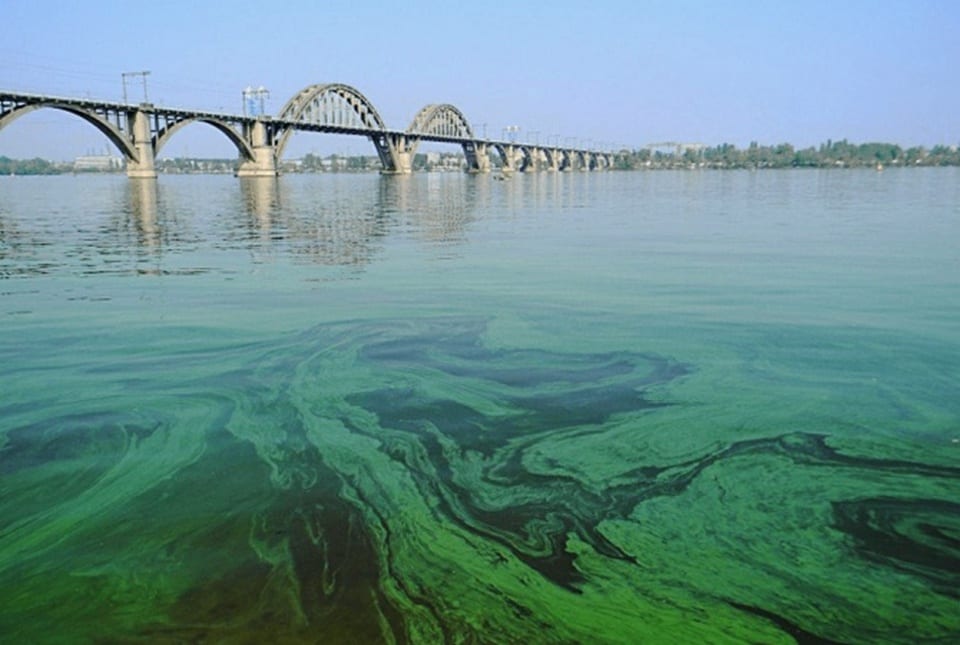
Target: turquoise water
x,y
604,408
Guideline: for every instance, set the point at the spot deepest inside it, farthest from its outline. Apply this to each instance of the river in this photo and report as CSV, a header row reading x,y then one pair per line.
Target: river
x,y
588,407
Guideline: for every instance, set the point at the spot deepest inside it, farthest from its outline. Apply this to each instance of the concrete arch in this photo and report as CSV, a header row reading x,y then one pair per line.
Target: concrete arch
x,y
442,120
581,157
555,158
116,136
330,104
528,158
514,157
564,159
164,135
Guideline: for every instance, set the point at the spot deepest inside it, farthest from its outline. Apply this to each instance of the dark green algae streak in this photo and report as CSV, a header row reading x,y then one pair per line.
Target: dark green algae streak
x,y
410,481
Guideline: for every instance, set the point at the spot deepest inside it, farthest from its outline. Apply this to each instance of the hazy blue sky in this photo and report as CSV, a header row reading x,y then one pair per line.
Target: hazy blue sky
x,y
631,72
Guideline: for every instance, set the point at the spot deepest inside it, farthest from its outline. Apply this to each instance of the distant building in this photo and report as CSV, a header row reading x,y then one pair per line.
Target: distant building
x,y
97,163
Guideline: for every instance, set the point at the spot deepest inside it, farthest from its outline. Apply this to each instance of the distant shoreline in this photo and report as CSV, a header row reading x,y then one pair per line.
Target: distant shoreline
x,y
675,156
654,169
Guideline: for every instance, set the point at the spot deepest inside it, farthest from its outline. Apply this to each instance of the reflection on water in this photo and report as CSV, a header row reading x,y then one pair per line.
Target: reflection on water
x,y
328,224
261,199
138,224
143,213
682,407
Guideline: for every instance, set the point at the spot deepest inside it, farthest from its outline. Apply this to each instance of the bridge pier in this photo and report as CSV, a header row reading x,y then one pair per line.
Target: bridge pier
x,y
532,160
528,160
553,159
143,166
396,153
478,159
512,157
580,161
543,160
264,161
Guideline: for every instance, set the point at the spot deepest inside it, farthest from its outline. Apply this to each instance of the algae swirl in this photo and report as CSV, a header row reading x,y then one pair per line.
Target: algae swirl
x,y
410,481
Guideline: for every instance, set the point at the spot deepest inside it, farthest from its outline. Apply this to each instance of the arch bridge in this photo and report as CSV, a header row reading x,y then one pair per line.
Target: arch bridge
x,y
139,132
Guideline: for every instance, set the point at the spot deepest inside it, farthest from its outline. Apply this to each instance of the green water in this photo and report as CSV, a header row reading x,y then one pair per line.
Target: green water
x,y
588,408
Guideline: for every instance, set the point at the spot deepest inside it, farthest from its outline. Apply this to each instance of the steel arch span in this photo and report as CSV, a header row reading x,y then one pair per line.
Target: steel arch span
x,y
330,105
441,120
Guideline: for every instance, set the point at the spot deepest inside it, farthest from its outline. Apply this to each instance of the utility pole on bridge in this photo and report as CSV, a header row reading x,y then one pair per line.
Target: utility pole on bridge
x,y
123,80
250,96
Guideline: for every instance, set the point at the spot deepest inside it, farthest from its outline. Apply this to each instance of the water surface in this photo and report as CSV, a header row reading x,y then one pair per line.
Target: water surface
x,y
606,407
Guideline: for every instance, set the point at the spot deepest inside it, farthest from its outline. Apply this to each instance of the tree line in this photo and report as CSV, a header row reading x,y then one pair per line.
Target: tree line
x,y
28,167
831,154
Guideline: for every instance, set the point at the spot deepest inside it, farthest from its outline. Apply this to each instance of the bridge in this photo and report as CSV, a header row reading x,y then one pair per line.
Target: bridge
x,y
139,132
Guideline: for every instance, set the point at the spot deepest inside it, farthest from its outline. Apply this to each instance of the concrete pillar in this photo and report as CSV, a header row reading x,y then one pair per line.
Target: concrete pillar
x,y
404,160
537,159
264,162
514,158
478,159
404,154
505,158
142,167
396,153
553,160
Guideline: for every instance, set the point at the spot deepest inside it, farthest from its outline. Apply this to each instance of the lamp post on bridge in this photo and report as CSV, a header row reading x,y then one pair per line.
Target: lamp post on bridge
x,y
512,130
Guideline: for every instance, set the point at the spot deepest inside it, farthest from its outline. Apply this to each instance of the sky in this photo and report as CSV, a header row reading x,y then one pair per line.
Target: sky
x,y
616,73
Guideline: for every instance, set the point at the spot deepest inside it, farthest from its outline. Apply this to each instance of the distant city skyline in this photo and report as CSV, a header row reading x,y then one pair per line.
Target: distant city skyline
x,y
617,73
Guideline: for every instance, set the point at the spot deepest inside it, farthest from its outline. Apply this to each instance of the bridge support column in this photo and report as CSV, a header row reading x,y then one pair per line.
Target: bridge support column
x,y
478,159
396,153
511,156
264,161
535,159
544,162
143,166
553,160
